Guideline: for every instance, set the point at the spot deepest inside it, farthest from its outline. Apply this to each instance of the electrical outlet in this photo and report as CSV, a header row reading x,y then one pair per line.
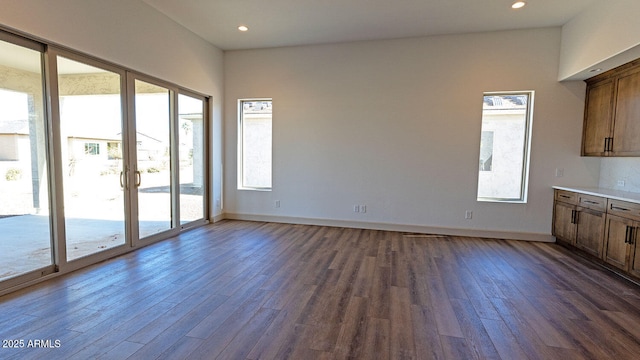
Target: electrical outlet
x,y
277,203
621,183
468,214
559,172
356,208
363,208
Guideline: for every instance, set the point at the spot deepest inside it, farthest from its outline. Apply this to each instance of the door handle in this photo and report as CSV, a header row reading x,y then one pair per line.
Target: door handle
x,y
124,181
138,178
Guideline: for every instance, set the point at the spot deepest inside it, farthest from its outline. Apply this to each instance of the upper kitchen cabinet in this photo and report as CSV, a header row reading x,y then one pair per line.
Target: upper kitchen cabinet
x,y
612,113
597,118
626,122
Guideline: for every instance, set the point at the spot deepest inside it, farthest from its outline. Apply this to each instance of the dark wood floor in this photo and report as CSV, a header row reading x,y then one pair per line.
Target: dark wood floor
x,y
249,290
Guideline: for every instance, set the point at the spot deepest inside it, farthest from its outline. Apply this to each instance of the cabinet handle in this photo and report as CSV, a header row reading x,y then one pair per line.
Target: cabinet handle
x,y
618,208
608,144
591,202
627,235
565,196
632,233
574,216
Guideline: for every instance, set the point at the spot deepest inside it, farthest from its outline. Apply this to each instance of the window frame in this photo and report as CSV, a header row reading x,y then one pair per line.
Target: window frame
x,y
241,145
526,148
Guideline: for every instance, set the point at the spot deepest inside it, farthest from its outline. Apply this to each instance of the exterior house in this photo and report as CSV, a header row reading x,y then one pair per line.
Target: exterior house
x,y
88,154
14,140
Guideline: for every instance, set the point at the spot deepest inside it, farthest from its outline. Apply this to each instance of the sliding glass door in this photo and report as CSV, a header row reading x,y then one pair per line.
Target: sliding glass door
x,y
94,160
153,167
191,152
91,138
25,240
170,173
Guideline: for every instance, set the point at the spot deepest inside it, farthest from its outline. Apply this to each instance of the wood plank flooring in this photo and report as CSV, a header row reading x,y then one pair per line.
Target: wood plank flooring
x,y
252,290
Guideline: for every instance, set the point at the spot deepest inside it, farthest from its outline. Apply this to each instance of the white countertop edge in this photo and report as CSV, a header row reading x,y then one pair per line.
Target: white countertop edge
x,y
608,193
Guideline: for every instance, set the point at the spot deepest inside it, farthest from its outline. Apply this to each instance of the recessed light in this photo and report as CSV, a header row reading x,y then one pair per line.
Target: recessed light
x,y
518,4
595,70
243,28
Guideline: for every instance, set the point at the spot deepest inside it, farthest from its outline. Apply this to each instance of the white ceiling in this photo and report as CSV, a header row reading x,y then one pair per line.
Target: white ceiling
x,y
274,23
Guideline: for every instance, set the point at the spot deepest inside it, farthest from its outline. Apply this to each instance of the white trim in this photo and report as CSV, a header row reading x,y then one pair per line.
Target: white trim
x,y
492,234
241,144
526,151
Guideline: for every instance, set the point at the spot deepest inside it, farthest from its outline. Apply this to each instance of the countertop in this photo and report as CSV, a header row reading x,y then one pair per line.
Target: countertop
x,y
608,193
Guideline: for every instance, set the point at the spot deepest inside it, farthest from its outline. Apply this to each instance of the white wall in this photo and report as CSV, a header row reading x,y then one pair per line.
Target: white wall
x,y
626,169
395,125
605,35
132,34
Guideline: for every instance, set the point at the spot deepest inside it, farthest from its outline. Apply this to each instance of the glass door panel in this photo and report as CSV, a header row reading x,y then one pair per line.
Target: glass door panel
x,y
25,243
191,156
91,141
153,155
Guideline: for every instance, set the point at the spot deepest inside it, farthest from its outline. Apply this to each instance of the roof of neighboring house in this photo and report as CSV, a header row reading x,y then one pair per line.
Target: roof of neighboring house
x,y
14,127
87,131
21,127
505,102
139,134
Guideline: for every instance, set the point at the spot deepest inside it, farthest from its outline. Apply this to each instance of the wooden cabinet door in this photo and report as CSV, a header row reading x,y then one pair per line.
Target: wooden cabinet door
x,y
626,126
598,116
590,231
616,249
634,264
563,226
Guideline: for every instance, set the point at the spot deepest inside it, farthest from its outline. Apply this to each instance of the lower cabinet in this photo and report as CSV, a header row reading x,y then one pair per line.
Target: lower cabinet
x,y
579,220
605,228
617,250
564,227
634,262
620,248
590,230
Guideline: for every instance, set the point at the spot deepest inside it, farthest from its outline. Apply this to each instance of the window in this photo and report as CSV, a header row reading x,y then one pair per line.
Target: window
x,y
254,144
114,151
504,146
92,148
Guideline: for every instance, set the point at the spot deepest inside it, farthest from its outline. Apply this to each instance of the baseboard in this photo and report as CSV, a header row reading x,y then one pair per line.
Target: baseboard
x,y
393,227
